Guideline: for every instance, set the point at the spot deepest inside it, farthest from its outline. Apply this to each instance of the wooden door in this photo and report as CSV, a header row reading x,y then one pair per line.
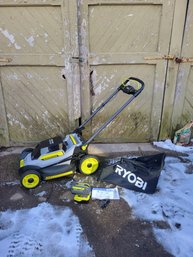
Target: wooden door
x,y
183,104
120,39
39,74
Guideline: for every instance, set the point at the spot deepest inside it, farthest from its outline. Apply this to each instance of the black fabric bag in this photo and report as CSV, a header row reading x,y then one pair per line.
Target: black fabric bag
x,y
139,174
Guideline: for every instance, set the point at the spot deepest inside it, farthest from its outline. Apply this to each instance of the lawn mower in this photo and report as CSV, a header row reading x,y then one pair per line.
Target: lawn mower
x,y
57,157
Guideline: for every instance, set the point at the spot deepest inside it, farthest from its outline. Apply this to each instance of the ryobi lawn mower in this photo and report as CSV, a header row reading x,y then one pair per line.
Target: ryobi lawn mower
x,y
57,157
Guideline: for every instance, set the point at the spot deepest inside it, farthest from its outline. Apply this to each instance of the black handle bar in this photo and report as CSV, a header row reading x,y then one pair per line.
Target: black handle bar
x,y
130,90
126,88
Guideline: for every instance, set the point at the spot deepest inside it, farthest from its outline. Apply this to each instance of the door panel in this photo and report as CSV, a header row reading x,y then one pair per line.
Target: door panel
x,y
134,119
31,29
36,102
120,40
168,125
117,34
183,105
38,42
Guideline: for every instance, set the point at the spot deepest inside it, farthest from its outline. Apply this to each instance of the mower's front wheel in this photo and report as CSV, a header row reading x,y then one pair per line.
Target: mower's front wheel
x,y
30,179
89,164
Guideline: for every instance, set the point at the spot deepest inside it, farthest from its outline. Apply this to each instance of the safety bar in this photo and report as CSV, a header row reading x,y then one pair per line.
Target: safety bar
x,y
126,88
130,90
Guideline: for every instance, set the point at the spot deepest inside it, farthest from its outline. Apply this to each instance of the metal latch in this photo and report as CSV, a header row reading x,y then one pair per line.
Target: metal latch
x,y
183,60
170,58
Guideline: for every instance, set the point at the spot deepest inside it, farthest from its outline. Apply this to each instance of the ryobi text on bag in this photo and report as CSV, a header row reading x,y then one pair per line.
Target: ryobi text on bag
x,y
131,177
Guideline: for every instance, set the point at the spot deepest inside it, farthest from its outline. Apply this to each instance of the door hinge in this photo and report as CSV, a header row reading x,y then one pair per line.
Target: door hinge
x,y
169,58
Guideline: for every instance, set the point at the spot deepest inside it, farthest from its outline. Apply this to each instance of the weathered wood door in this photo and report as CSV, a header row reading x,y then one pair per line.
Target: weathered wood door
x,y
183,105
38,43
120,39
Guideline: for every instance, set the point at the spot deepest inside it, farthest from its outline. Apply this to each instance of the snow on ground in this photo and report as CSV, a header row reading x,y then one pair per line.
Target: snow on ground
x,y
172,203
49,231
167,144
45,230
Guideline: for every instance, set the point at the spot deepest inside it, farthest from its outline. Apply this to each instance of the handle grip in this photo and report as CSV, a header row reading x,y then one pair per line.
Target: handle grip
x,y
130,90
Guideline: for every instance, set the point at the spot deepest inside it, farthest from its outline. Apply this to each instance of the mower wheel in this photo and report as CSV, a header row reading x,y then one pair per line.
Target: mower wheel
x,y
30,179
89,164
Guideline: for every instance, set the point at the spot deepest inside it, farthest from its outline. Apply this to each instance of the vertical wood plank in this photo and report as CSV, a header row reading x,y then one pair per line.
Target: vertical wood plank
x,y
84,67
4,133
183,111
173,67
75,58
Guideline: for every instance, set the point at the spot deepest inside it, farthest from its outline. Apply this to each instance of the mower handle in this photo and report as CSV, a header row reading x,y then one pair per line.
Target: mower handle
x,y
130,90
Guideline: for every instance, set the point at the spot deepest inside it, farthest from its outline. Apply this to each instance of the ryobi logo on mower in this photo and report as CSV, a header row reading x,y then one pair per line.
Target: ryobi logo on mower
x,y
131,177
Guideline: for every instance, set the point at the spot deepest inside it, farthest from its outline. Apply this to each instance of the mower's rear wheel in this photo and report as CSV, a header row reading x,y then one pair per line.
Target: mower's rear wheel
x,y
89,164
30,179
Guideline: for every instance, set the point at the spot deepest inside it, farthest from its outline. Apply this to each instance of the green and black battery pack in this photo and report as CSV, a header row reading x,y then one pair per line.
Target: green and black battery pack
x,y
82,191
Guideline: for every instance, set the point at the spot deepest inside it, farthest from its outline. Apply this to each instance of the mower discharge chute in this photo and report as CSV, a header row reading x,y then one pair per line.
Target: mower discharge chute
x,y
57,157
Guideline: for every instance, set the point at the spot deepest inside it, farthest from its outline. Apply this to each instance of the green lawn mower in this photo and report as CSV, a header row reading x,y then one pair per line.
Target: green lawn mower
x,y
57,157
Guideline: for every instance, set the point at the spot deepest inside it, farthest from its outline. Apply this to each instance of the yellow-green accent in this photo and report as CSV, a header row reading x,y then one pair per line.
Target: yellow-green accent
x,y
26,183
80,186
59,175
80,198
89,165
51,155
21,164
123,80
73,139
138,84
84,147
